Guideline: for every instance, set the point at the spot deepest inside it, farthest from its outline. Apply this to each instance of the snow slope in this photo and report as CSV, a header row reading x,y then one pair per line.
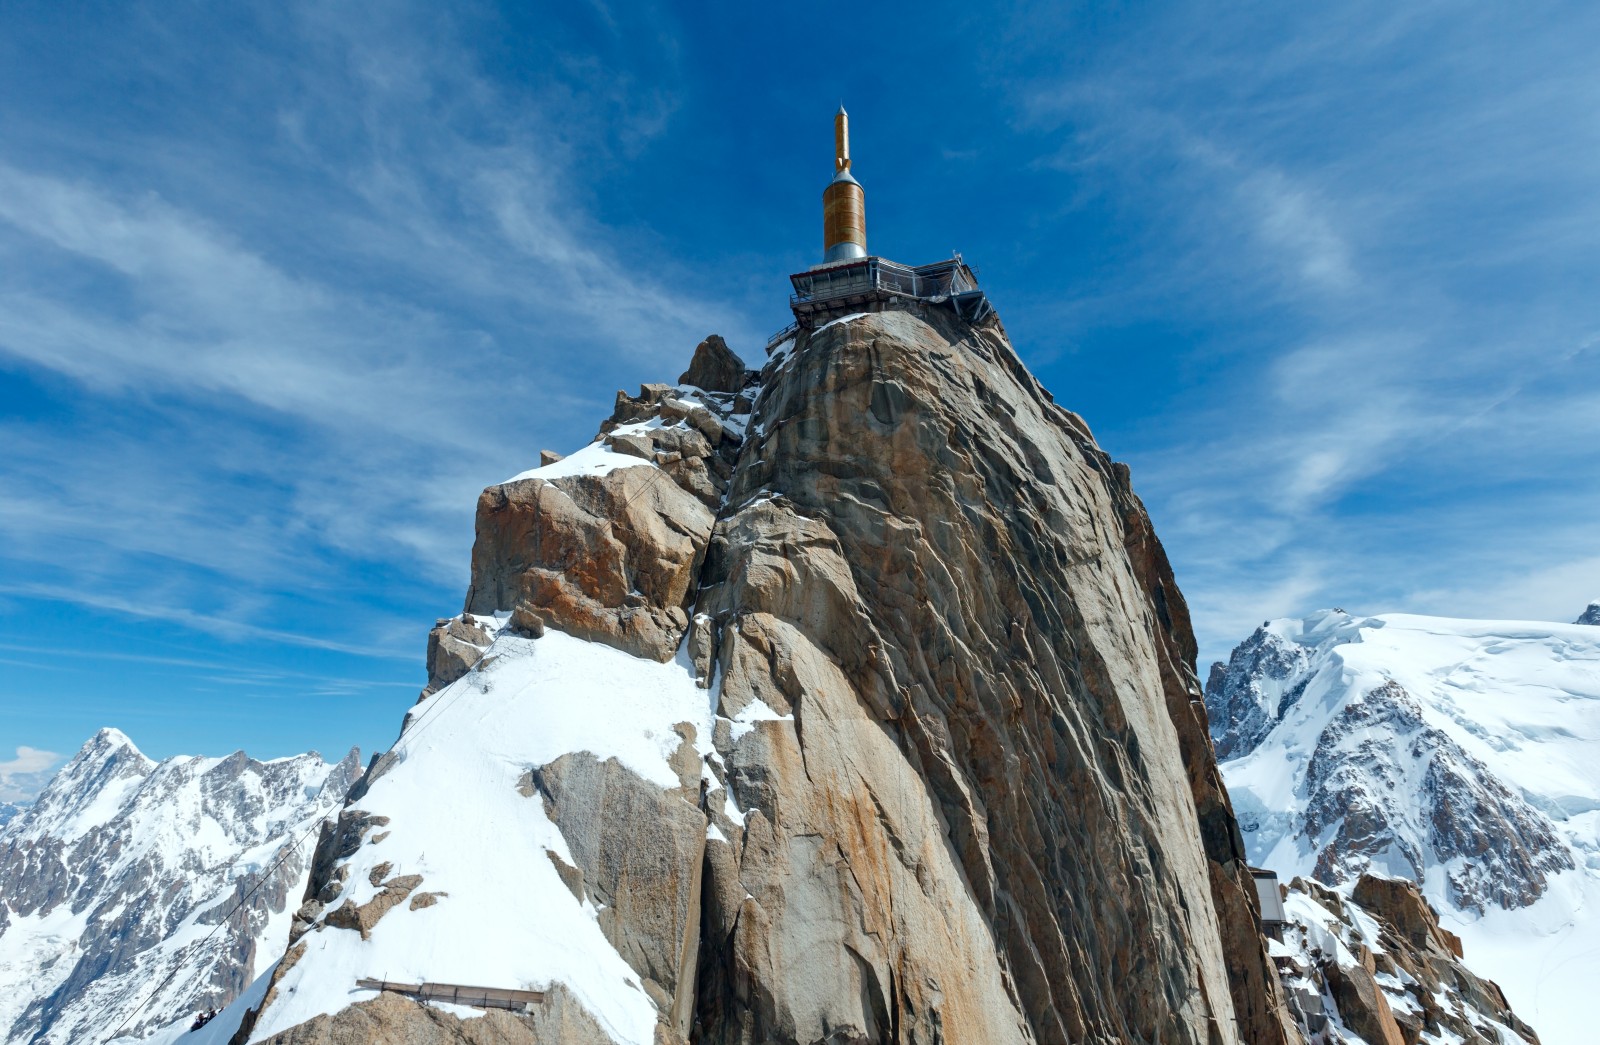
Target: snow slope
x,y
124,867
502,915
1464,755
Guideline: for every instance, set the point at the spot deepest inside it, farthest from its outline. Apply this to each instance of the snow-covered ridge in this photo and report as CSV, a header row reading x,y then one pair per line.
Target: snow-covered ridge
x,y
1464,755
501,908
123,867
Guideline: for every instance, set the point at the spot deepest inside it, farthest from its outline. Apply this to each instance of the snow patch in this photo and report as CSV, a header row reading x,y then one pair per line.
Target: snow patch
x,y
458,820
595,459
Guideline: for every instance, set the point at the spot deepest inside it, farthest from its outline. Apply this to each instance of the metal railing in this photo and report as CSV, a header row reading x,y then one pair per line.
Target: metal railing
x,y
459,994
781,336
878,275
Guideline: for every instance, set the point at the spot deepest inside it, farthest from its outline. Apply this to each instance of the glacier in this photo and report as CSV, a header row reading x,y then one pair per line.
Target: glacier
x,y
1461,754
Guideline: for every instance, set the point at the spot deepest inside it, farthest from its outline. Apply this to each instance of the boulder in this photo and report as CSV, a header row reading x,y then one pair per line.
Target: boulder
x,y
1362,1005
363,917
715,368
454,646
610,557
1401,905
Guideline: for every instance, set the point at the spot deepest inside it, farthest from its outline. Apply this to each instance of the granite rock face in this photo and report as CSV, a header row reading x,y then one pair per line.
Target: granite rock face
x,y
926,557
951,781
638,854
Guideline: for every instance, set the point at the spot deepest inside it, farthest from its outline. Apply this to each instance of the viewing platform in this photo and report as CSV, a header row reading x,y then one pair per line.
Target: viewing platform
x,y
460,994
870,284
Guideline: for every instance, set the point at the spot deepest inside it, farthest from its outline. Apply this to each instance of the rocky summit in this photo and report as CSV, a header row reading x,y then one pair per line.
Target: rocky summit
x,y
1373,964
849,700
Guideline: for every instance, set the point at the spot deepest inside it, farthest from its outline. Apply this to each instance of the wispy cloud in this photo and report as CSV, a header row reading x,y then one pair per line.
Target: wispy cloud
x,y
309,350
1373,211
211,624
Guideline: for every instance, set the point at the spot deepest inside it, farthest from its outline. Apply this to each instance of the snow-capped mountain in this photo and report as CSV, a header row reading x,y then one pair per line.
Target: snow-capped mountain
x,y
1590,615
1463,755
123,868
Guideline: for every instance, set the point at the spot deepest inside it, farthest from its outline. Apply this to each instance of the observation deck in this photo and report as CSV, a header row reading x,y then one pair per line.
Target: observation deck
x,y
872,284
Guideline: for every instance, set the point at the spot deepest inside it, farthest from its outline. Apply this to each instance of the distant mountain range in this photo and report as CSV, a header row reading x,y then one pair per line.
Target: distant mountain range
x,y
125,869
1463,755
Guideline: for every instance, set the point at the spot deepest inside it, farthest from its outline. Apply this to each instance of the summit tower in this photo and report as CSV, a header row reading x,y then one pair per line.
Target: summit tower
x,y
844,201
851,280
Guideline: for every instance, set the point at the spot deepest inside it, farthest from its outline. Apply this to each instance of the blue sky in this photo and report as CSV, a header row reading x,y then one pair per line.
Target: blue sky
x,y
282,287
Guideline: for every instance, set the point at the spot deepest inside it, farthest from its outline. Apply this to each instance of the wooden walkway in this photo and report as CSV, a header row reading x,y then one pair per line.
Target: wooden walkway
x,y
460,994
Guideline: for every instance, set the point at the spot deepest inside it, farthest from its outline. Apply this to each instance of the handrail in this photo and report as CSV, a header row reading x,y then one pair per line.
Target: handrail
x,y
459,994
777,339
880,274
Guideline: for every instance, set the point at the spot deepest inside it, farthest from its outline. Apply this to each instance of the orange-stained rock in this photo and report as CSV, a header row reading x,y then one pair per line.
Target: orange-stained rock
x,y
995,814
612,557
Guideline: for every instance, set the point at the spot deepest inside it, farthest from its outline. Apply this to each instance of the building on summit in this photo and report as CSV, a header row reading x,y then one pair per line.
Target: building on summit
x,y
851,280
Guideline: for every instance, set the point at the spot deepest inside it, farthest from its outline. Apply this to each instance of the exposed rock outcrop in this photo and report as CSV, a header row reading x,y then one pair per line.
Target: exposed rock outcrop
x,y
1590,615
715,368
392,1019
1405,984
928,534
1500,849
639,853
455,644
948,777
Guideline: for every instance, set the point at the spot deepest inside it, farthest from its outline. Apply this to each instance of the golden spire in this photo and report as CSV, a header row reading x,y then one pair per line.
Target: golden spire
x,y
844,202
841,140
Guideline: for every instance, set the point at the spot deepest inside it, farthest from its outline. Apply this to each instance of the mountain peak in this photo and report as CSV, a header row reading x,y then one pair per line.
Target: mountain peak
x,y
1458,754
1591,615
109,739
122,860
1000,822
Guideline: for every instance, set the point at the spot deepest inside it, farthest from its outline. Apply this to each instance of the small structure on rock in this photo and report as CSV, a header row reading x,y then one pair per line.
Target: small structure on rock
x,y
850,280
1270,898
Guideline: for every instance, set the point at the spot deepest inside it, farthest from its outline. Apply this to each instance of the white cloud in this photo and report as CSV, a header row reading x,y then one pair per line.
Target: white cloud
x,y
1291,217
308,350
1369,214
23,777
